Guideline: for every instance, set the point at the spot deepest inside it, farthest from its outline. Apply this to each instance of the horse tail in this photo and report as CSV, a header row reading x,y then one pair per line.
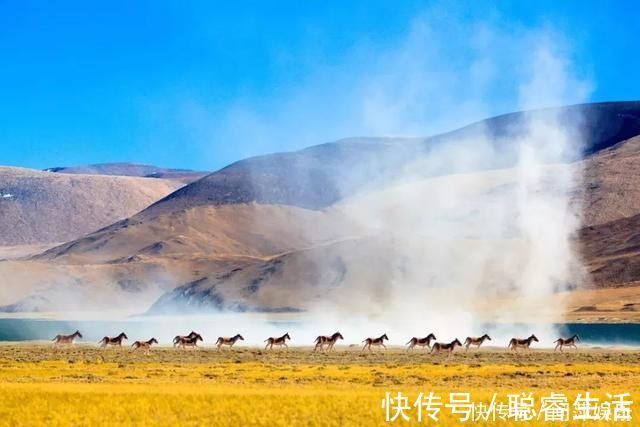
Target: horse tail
x,y
409,342
317,340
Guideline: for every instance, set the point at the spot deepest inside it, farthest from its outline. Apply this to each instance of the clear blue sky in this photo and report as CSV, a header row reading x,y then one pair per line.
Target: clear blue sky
x,y
199,85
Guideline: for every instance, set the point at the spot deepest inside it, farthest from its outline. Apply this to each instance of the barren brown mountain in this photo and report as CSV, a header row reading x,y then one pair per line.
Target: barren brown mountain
x,y
273,233
43,207
131,169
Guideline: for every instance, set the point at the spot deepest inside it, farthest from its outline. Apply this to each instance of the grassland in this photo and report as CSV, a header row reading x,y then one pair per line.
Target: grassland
x,y
88,386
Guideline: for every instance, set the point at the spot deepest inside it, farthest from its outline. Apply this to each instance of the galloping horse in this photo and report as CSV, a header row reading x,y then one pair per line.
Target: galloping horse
x,y
188,341
144,344
525,343
279,341
228,341
375,342
66,339
477,341
569,342
323,340
448,347
106,341
178,337
421,342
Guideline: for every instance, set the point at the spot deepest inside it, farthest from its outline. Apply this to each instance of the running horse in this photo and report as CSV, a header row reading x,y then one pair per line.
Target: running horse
x,y
178,337
420,342
477,341
146,345
188,341
106,341
323,340
375,342
448,347
524,343
279,341
228,341
569,342
66,339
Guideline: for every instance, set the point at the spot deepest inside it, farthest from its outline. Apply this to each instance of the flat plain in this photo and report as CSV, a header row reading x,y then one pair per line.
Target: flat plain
x,y
84,385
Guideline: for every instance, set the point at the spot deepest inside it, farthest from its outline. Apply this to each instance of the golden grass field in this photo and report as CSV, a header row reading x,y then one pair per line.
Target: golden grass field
x,y
84,385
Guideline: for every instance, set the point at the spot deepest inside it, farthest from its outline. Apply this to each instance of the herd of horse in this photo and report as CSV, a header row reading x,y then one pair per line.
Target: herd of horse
x,y
323,342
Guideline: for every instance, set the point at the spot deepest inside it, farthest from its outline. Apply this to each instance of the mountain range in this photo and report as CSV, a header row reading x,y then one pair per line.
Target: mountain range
x,y
276,233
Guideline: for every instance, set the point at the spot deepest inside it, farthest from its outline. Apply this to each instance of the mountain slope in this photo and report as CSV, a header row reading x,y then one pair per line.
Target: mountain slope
x,y
267,231
321,175
131,169
45,207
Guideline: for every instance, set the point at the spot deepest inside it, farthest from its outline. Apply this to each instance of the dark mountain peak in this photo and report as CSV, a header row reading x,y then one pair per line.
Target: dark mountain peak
x,y
319,176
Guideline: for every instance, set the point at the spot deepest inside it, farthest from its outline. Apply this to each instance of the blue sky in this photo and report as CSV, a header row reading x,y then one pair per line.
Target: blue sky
x,y
200,85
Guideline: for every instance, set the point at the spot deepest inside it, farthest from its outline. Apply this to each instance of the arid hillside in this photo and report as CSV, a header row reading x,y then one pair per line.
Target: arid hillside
x,y
43,207
321,175
131,169
280,232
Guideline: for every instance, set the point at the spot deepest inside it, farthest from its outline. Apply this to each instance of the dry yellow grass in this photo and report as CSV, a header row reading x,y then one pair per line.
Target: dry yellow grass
x,y
88,386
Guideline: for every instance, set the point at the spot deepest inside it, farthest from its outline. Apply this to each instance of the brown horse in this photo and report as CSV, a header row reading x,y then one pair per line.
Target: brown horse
x,y
146,345
523,343
188,341
323,340
279,341
228,341
106,341
569,342
375,342
421,342
66,339
177,337
448,347
477,341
